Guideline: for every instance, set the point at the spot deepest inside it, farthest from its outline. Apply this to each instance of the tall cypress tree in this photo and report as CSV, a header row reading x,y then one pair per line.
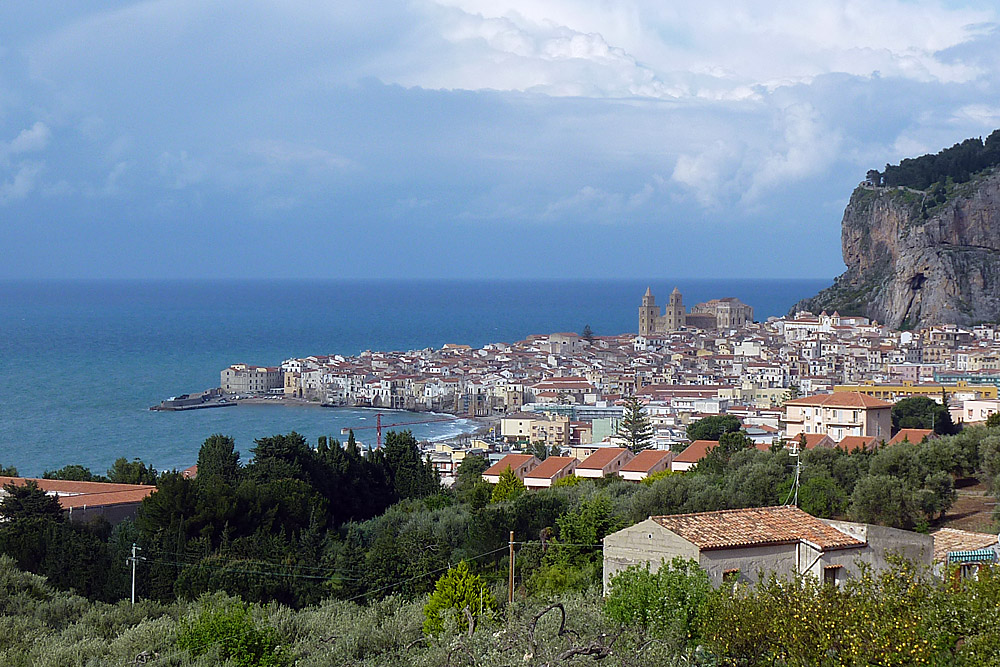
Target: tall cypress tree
x,y
634,427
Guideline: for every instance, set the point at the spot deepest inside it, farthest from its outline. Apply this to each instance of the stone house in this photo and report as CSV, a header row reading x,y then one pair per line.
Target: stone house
x,y
745,544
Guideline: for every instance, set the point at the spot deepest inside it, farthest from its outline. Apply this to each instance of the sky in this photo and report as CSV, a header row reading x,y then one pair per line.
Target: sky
x,y
467,138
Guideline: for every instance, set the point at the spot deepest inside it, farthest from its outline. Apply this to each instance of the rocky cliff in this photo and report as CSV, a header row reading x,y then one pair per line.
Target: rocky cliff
x,y
918,258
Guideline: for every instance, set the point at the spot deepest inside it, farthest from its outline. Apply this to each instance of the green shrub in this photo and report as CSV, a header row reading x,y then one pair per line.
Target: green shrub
x,y
666,603
229,628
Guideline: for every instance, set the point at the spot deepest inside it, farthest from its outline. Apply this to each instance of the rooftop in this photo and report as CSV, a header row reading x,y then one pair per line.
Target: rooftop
x,y
727,529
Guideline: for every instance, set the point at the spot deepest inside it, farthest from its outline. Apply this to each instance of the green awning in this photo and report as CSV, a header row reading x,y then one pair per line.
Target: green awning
x,y
974,556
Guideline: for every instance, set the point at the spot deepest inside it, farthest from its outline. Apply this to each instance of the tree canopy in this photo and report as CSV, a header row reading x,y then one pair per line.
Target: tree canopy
x,y
712,428
957,163
922,412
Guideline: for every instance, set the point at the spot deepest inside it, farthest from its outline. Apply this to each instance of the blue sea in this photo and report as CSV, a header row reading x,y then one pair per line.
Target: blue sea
x,y
82,361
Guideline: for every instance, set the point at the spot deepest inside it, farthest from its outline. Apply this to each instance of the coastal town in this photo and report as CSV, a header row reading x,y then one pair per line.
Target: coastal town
x,y
825,380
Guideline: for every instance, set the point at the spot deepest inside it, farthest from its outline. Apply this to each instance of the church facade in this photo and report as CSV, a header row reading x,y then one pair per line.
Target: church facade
x,y
727,313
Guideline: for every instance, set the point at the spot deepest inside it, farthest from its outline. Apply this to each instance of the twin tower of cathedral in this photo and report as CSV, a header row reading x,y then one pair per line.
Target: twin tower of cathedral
x,y
727,313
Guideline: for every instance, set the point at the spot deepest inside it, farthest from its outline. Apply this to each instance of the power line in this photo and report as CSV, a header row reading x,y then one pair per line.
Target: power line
x,y
351,599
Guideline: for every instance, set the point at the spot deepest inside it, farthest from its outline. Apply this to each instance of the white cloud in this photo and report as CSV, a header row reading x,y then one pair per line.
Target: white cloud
x,y
807,148
739,43
31,140
22,183
594,203
288,153
180,170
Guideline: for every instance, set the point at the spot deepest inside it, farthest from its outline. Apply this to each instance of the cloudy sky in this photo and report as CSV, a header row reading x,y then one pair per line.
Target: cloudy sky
x,y
467,138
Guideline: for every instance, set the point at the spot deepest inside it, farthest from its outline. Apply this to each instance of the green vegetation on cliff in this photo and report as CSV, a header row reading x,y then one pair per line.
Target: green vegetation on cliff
x,y
957,164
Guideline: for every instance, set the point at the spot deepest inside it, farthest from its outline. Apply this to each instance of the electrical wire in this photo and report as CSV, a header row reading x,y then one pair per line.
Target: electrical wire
x,y
351,599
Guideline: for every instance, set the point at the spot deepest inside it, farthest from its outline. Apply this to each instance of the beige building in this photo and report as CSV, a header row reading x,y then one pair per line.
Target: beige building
x,y
531,427
741,545
838,415
244,379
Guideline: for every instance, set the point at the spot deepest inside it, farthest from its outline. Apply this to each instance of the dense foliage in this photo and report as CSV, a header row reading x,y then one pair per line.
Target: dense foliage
x,y
922,412
302,526
957,163
713,427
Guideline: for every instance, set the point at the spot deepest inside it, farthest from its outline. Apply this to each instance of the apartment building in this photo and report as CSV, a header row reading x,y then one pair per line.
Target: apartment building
x,y
838,415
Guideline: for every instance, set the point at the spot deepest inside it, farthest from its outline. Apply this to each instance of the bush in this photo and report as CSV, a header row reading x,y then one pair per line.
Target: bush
x,y
229,628
666,603
459,589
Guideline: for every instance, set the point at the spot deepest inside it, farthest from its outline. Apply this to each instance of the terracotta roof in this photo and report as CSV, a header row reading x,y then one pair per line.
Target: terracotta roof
x,y
851,443
728,529
914,435
513,461
645,461
696,451
601,458
952,539
813,440
90,494
551,467
134,495
842,399
72,487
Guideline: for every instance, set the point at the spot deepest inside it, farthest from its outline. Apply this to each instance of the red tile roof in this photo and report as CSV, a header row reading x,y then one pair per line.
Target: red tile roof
x,y
645,461
756,526
914,435
551,467
843,399
851,443
952,539
696,451
512,461
601,458
90,494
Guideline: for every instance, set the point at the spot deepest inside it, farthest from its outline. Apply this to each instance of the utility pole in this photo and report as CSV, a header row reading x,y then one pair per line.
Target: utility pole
x,y
510,574
134,558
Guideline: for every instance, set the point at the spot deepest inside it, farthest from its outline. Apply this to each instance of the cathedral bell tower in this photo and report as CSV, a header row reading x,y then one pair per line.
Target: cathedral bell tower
x,y
648,312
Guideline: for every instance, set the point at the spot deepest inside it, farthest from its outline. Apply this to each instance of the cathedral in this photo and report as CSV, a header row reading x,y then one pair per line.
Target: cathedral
x,y
727,313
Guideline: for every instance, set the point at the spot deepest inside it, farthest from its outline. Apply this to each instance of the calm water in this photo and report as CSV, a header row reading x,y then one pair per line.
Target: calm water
x,y
80,362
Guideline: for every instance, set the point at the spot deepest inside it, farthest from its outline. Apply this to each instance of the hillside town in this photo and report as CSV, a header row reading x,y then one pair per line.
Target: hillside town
x,y
820,379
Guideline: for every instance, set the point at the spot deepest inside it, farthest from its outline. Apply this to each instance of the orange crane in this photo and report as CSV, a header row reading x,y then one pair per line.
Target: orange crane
x,y
379,425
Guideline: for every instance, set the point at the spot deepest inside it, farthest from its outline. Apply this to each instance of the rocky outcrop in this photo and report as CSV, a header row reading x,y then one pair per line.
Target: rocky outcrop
x,y
914,261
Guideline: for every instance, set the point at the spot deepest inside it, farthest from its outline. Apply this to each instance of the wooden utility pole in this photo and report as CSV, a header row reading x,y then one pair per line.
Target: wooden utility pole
x,y
510,574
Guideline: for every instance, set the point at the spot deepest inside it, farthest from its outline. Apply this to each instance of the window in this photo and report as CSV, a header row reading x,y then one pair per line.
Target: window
x,y
731,576
833,574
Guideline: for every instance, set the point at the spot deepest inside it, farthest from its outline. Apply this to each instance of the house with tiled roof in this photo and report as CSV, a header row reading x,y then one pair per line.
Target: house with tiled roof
x,y
604,462
86,501
551,469
745,544
912,435
644,464
838,415
953,545
853,443
693,453
520,465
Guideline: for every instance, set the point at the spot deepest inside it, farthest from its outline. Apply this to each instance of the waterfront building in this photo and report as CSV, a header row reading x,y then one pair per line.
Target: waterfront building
x,y
244,379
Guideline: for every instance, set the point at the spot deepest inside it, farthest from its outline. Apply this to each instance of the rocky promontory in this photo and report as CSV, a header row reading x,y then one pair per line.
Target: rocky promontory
x,y
920,257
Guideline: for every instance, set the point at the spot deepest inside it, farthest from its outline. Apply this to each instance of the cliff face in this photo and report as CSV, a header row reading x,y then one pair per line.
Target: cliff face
x,y
913,262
